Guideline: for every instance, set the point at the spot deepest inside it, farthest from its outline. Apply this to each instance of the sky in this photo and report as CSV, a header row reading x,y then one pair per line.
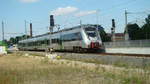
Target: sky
x,y
68,13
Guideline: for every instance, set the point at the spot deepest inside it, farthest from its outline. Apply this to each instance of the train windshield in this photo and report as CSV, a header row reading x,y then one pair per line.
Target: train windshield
x,y
90,31
91,34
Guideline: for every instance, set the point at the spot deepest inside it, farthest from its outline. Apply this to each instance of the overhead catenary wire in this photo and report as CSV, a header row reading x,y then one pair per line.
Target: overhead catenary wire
x,y
116,6
119,5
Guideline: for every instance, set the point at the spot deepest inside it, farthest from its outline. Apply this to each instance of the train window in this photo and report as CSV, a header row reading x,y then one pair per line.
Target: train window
x,y
78,36
72,37
48,42
45,41
28,44
55,40
38,43
22,44
42,42
25,44
35,43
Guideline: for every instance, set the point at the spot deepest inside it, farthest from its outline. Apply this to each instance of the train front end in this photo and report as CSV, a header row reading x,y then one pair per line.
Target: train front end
x,y
93,39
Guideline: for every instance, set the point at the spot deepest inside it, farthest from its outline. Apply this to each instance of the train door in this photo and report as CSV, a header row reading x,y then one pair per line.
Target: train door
x,y
60,43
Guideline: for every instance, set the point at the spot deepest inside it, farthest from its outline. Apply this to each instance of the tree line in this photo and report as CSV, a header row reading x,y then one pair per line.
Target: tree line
x,y
15,40
139,33
135,31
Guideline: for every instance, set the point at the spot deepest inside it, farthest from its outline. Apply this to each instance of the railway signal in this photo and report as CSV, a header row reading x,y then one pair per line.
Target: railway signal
x,y
113,30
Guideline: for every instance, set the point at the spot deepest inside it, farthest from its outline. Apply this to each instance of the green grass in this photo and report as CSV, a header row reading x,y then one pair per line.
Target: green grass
x,y
17,69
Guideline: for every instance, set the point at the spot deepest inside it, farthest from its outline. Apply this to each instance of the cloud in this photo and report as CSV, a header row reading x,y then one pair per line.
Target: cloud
x,y
64,11
29,1
84,13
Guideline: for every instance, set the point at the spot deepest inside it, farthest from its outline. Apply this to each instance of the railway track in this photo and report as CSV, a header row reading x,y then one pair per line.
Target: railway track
x,y
121,54
136,60
101,54
105,54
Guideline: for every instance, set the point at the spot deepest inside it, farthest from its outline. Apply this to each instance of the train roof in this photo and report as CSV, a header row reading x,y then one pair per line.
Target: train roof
x,y
66,29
